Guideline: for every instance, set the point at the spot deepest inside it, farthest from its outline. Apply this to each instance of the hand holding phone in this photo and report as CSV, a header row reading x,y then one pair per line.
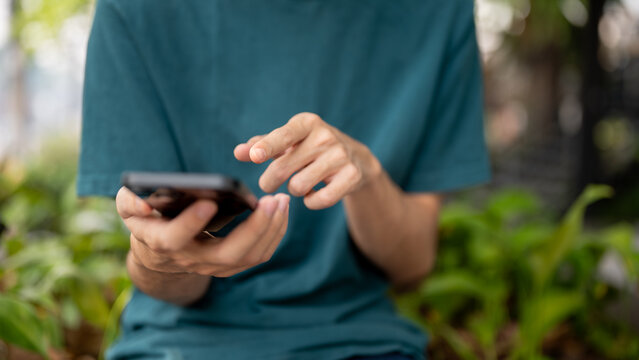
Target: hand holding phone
x,y
171,245
171,193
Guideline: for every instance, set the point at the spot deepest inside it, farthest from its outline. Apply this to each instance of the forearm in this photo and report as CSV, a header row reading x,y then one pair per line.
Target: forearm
x,y
178,289
395,230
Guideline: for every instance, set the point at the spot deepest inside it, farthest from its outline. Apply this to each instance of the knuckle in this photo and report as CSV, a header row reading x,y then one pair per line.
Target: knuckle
x,y
253,259
232,259
280,174
297,187
311,203
165,242
356,177
224,274
204,270
325,197
340,154
275,176
309,118
157,247
324,136
137,245
161,245
264,183
223,262
266,257
187,264
353,172
322,199
303,120
285,134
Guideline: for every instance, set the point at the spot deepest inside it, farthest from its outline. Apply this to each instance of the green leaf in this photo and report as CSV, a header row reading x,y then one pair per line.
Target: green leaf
x,y
541,314
457,343
89,299
544,260
453,283
511,203
53,331
70,314
485,329
20,325
113,325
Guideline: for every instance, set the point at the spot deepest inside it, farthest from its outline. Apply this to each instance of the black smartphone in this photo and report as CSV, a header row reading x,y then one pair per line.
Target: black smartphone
x,y
170,193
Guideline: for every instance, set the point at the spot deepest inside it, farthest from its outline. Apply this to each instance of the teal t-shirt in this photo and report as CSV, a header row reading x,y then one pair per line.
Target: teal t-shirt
x,y
174,85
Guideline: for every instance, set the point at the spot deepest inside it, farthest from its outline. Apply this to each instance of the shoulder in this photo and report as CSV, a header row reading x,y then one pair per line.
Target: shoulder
x,y
445,18
136,13
445,9
131,7
452,20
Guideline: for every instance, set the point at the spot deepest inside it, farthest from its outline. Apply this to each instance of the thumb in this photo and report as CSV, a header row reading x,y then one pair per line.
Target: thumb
x,y
192,220
128,204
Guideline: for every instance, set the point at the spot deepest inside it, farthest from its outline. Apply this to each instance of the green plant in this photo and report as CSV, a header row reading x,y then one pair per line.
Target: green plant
x,y
508,279
62,259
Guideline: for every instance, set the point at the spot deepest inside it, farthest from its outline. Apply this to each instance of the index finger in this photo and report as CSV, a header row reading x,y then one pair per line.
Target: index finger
x,y
280,139
241,151
128,204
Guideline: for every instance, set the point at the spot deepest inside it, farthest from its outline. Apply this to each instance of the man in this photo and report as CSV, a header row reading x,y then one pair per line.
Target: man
x,y
364,111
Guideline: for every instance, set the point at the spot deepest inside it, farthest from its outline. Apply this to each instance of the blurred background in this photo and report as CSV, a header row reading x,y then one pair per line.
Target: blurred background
x,y
528,277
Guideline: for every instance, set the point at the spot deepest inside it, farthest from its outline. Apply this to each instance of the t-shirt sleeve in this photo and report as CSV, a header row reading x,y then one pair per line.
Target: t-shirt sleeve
x,y
453,152
124,124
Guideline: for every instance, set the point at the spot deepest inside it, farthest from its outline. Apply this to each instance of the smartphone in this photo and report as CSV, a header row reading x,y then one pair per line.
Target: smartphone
x,y
170,193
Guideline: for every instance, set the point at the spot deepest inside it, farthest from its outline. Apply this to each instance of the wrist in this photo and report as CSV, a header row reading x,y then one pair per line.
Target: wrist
x,y
137,265
181,289
372,171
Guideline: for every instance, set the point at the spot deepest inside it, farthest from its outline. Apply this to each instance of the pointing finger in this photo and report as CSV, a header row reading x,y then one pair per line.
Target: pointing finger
x,y
241,151
278,140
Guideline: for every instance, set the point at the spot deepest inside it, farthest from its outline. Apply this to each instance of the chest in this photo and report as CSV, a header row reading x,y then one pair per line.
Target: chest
x,y
226,79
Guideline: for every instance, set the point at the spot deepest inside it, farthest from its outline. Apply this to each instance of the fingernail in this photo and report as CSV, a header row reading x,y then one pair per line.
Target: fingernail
x,y
283,203
204,211
270,206
259,154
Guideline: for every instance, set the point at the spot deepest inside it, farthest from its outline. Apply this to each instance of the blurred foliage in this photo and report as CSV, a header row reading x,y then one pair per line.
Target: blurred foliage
x,y
536,24
34,21
508,280
61,259
544,24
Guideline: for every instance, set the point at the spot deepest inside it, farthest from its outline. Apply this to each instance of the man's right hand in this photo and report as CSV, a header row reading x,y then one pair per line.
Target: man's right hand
x,y
179,246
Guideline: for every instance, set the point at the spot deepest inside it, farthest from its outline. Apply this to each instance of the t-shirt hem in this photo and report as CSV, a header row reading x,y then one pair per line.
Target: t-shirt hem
x,y
98,185
332,354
